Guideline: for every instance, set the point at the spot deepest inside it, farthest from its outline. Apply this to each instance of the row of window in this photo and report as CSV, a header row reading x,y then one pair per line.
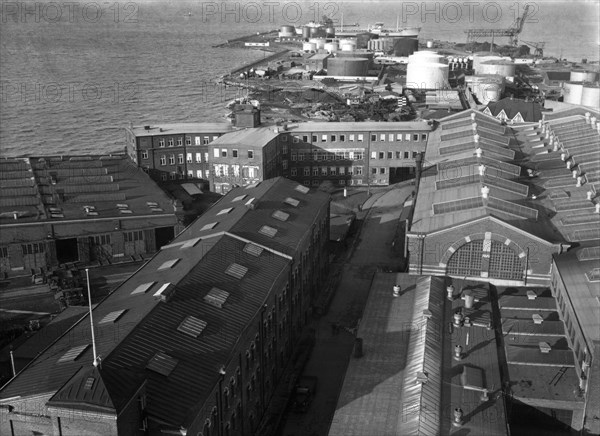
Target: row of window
x,y
188,141
342,182
190,158
328,171
234,153
390,154
320,155
360,137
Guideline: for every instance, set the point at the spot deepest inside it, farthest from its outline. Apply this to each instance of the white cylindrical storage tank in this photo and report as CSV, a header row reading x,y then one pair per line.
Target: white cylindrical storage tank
x,y
591,95
426,57
427,75
347,44
357,67
479,58
287,30
572,92
583,76
309,46
501,68
486,88
429,43
332,47
320,42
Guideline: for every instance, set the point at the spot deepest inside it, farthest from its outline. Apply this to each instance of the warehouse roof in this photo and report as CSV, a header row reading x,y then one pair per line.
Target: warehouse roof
x,y
529,110
359,127
173,323
251,137
181,128
79,190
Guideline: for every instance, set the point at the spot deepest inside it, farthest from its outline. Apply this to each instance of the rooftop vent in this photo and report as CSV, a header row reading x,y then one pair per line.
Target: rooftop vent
x,y
253,249
165,292
146,127
268,231
302,189
216,297
250,204
238,198
236,270
292,201
168,264
90,210
112,316
192,326
280,215
143,288
73,353
225,211
208,226
162,364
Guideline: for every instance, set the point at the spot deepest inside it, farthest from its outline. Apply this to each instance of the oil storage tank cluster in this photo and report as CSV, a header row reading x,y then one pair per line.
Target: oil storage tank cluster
x,y
405,46
426,70
319,42
486,88
582,93
348,66
309,47
332,47
479,58
348,44
287,31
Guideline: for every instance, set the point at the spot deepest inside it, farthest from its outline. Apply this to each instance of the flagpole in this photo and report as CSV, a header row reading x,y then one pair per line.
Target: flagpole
x,y
87,273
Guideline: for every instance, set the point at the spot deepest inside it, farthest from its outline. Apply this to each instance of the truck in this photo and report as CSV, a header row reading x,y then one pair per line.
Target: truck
x,y
304,393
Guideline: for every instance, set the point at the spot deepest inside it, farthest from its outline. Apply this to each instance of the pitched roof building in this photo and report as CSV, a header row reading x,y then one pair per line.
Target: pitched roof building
x,y
514,110
196,339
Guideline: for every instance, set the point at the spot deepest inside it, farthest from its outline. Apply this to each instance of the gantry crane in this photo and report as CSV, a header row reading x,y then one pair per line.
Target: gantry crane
x,y
538,46
512,33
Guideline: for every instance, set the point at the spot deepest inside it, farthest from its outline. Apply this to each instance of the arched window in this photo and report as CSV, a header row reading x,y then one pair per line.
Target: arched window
x,y
466,261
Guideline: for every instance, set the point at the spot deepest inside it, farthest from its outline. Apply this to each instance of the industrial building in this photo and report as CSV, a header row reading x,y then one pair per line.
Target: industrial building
x,y
518,208
60,209
194,342
174,151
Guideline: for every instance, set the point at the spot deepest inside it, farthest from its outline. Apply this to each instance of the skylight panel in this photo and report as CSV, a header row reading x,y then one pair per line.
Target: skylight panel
x,y
112,316
225,211
253,249
73,353
89,383
209,226
268,231
143,288
190,243
216,297
280,215
301,188
168,264
162,364
236,270
239,198
192,326
292,201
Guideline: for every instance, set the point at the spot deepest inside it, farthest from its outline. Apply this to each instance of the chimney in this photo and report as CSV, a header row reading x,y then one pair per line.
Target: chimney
x,y
473,116
485,191
579,181
478,152
593,122
575,172
569,164
563,156
590,195
481,170
587,117
540,125
555,145
597,208
474,127
476,138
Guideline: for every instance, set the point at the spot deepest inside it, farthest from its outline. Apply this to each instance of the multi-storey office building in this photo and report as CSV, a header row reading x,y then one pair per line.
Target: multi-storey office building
x,y
196,340
173,151
342,153
59,209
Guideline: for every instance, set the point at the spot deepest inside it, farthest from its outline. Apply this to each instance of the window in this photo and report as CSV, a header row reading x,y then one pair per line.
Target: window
x,y
414,154
398,155
315,171
373,170
284,164
399,137
206,174
163,160
373,137
36,247
216,152
323,138
295,139
358,171
423,136
342,138
250,154
294,157
382,137
307,171
381,155
332,171
406,155
215,137
284,138
101,239
198,157
180,158
234,153
206,157
341,171
323,171
407,137
390,155
360,137
342,182
144,154
198,174
205,140
179,142
315,183
137,235
163,177
391,137
304,138
314,138
382,170
333,138
172,176
172,159
197,139
223,152
415,137
190,158
300,156
373,155
294,171
4,252
350,170
351,137
188,141
171,142
306,182
359,155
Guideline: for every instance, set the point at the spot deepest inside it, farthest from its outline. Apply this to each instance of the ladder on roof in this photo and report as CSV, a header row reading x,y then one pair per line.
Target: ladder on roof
x,y
558,376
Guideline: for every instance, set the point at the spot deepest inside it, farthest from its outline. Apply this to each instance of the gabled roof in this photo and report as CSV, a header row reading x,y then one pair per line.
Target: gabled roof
x,y
181,128
529,110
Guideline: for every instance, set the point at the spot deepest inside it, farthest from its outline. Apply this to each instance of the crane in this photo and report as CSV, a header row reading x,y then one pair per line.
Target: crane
x,y
538,46
512,33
